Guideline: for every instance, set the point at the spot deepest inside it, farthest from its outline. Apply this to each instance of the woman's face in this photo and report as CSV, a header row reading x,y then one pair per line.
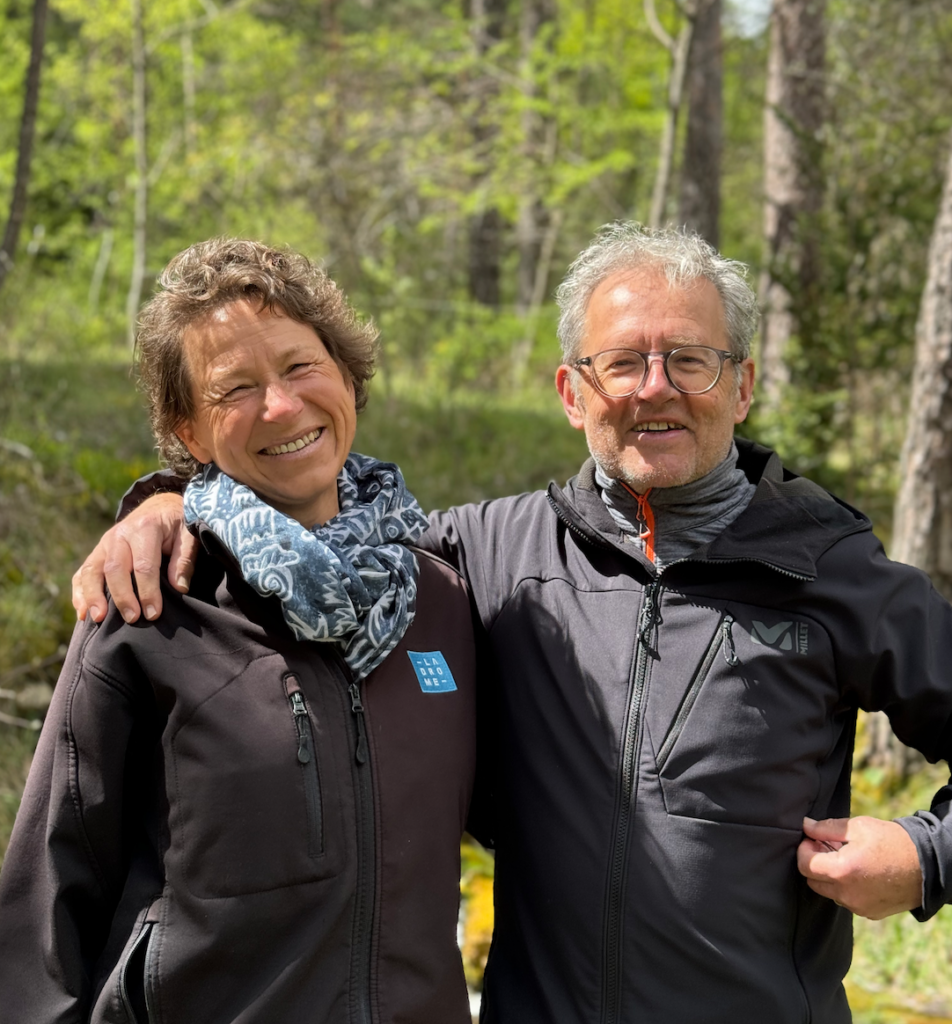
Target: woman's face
x,y
272,408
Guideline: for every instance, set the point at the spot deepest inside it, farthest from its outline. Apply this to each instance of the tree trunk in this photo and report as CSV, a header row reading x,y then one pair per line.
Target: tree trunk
x,y
538,145
679,49
922,520
31,96
485,246
700,199
142,170
793,184
485,226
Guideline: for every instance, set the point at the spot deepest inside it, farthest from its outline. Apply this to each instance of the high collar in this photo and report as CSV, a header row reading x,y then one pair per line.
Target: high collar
x,y
788,525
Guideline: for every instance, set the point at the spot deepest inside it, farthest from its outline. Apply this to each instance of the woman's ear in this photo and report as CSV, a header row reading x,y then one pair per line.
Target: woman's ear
x,y
186,435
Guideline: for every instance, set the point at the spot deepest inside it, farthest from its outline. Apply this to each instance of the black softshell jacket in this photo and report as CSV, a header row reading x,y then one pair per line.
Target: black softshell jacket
x,y
662,735
221,826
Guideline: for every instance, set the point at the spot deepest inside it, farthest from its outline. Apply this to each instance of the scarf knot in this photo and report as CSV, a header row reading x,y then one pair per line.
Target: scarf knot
x,y
351,581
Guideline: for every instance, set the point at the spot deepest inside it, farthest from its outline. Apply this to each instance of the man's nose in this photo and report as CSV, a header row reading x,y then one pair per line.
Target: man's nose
x,y
279,401
656,383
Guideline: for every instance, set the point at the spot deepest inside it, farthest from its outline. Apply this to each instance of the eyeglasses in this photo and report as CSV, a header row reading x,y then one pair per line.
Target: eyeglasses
x,y
692,369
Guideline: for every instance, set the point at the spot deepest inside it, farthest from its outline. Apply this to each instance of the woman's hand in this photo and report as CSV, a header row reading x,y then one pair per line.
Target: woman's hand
x,y
133,549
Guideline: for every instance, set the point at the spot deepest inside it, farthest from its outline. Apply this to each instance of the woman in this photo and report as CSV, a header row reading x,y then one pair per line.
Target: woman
x,y
250,810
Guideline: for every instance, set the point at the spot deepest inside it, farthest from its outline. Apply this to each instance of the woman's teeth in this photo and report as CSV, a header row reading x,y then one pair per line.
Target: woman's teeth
x,y
294,446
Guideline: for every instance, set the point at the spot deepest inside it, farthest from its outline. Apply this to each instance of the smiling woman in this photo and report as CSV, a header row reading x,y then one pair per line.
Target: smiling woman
x,y
258,798
271,408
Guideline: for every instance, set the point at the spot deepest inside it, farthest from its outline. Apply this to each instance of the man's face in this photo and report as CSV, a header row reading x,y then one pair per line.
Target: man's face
x,y
638,309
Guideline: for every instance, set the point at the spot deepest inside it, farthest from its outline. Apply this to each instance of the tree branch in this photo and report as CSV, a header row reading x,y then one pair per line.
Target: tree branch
x,y
654,23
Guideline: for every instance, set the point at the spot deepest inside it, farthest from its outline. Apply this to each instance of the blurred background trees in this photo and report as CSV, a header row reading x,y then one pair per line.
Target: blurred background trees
x,y
446,159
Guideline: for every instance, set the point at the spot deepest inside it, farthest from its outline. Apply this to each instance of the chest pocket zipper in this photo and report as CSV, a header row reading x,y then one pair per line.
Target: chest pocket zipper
x,y
723,640
307,759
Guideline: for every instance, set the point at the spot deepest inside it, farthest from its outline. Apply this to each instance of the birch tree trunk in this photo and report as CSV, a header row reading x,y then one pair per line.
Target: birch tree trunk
x,y
139,138
922,520
31,97
700,198
793,185
679,49
538,146
485,226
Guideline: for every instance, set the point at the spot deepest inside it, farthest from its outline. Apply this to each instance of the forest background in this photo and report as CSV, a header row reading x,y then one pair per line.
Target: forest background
x,y
446,161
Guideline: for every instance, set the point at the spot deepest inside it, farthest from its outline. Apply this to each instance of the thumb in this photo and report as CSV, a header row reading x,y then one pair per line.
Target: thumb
x,y
829,830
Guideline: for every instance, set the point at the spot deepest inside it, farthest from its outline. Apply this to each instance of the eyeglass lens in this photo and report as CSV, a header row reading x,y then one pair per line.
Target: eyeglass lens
x,y
692,369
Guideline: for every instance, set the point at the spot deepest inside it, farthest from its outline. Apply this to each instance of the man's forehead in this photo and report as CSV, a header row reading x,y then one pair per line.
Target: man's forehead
x,y
649,283
642,301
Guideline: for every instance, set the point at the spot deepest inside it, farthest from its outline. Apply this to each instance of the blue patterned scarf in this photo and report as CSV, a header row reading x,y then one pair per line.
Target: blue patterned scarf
x,y
352,580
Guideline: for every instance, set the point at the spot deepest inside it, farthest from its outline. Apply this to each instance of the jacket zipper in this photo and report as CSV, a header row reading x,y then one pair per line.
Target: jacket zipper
x,y
723,639
360,963
307,758
147,976
143,937
619,856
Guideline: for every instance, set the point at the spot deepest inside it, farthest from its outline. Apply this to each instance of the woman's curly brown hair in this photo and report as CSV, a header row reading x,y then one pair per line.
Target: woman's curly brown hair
x,y
209,275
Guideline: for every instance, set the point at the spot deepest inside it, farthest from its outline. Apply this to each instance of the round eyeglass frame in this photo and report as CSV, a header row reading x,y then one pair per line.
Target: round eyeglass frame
x,y
664,356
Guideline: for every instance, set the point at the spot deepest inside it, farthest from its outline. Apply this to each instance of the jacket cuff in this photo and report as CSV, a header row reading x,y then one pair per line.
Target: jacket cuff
x,y
159,482
931,831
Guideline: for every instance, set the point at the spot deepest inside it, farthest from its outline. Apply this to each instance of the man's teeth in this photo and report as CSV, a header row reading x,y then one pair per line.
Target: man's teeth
x,y
658,426
293,446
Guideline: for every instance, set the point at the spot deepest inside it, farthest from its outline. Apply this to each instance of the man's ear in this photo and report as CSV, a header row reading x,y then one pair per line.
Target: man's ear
x,y
186,435
745,390
572,403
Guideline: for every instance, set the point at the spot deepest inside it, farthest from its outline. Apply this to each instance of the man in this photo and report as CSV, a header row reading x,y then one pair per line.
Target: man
x,y
682,637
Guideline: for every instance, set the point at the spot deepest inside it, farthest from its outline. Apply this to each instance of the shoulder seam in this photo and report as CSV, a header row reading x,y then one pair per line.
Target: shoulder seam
x,y
436,558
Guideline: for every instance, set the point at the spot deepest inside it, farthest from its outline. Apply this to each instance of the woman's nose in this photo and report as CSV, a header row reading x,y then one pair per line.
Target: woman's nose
x,y
280,401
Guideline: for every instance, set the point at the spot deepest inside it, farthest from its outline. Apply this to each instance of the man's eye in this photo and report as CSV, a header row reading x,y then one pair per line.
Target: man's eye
x,y
688,361
621,365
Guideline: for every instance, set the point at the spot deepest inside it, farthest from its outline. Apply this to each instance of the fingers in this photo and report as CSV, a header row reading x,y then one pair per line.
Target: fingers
x,y
182,562
137,556
133,550
832,832
87,589
874,871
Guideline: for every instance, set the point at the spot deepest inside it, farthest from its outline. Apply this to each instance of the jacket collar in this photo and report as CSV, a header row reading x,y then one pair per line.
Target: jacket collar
x,y
218,580
788,525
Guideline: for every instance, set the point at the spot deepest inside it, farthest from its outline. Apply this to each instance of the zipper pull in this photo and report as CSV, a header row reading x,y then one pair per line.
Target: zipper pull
x,y
650,612
299,710
358,711
730,652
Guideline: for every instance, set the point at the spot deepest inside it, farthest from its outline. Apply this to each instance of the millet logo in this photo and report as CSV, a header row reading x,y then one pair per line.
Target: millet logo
x,y
786,636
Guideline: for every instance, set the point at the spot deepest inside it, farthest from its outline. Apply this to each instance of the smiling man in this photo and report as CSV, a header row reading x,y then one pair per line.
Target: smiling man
x,y
682,635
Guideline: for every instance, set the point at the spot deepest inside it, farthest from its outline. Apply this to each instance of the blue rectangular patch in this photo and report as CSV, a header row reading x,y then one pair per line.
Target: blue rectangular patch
x,y
432,672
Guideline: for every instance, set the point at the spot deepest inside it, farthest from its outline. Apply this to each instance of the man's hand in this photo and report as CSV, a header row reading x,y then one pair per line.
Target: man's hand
x,y
867,865
135,547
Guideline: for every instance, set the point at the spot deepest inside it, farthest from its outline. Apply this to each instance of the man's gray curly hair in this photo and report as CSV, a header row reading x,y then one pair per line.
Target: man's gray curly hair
x,y
681,255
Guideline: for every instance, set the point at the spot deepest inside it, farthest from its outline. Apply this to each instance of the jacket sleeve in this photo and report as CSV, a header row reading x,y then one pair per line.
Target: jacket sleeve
x,y
487,544
893,642
65,865
161,482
